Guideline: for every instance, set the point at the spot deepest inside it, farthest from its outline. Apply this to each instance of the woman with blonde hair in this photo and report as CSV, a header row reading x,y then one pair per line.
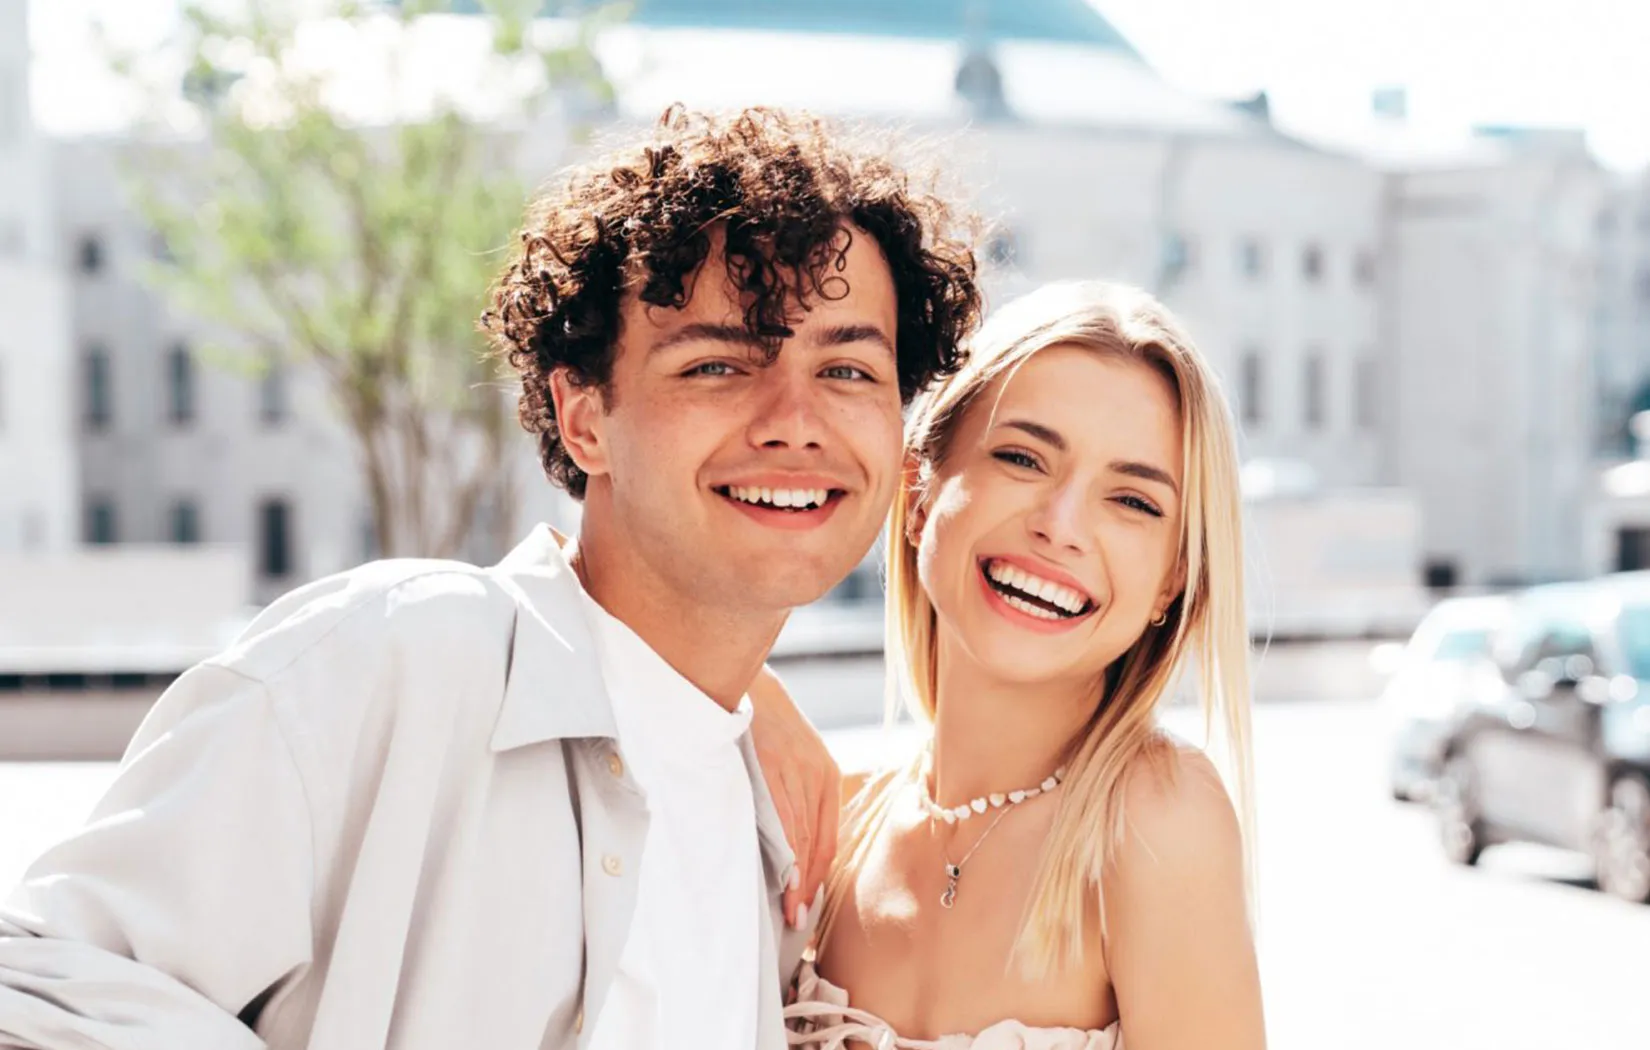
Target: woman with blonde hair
x,y
1052,869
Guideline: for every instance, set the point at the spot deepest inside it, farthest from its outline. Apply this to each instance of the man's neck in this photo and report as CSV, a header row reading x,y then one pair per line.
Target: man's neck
x,y
720,651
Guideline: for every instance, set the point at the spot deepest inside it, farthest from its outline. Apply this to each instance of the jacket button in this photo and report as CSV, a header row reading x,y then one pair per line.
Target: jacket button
x,y
615,764
612,865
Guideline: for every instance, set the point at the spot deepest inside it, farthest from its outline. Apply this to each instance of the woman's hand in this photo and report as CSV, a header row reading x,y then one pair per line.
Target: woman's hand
x,y
806,787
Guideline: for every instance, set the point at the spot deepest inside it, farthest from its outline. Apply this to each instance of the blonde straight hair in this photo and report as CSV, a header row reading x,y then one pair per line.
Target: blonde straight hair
x,y
1205,627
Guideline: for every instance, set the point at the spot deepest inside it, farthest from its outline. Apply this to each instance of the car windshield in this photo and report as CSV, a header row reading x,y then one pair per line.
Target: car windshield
x,y
1634,628
1462,645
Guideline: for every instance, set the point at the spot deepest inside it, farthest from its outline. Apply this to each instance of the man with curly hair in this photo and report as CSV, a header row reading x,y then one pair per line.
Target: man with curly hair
x,y
424,804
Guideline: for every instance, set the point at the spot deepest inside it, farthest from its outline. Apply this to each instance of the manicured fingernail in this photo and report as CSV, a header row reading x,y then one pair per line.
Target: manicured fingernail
x,y
802,917
795,881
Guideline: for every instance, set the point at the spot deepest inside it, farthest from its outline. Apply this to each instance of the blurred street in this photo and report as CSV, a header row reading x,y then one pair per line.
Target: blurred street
x,y
1369,939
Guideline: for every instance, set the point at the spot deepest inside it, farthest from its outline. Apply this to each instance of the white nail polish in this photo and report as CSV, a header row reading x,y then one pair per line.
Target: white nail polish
x,y
795,881
802,917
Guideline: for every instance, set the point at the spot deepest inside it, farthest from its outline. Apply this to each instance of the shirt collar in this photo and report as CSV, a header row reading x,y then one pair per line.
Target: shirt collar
x,y
553,688
552,644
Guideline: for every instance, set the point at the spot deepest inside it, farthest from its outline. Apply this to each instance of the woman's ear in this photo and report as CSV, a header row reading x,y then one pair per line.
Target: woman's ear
x,y
912,491
1173,588
580,412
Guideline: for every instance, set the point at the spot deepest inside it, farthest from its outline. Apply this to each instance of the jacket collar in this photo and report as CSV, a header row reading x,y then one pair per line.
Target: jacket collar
x,y
553,688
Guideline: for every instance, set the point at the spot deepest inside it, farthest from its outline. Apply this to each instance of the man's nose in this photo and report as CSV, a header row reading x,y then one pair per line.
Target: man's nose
x,y
789,409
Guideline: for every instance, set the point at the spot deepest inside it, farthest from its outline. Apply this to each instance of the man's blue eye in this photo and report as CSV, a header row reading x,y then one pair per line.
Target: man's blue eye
x,y
846,372
709,369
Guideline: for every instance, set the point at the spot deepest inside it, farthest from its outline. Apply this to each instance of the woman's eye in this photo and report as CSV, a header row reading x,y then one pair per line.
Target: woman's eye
x,y
711,368
1017,458
1139,504
845,372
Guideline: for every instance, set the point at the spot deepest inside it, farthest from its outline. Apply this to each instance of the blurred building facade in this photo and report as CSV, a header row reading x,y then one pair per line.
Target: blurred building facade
x,y
39,476
1463,327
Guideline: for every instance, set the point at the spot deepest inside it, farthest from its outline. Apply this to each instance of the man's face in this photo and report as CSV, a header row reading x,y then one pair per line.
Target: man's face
x,y
733,483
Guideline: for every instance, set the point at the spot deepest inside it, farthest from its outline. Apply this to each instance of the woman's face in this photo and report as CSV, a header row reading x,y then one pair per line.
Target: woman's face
x,y
1050,534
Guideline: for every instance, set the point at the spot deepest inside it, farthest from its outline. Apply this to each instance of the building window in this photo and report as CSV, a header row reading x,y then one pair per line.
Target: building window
x,y
1440,574
1179,256
1252,257
1642,282
101,525
1363,269
272,401
1254,388
274,539
185,523
1312,263
1369,393
90,254
1002,248
99,405
1314,389
180,386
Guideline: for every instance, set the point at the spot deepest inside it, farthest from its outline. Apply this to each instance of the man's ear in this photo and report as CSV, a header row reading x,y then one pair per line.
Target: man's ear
x,y
580,415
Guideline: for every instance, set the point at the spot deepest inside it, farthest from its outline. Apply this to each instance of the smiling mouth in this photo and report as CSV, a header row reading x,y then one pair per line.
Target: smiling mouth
x,y
796,501
1033,595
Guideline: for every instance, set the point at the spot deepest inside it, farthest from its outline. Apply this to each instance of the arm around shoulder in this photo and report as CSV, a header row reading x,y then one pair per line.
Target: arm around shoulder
x,y
1180,948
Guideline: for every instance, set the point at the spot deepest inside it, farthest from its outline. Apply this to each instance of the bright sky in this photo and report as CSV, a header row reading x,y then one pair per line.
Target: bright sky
x,y
1573,63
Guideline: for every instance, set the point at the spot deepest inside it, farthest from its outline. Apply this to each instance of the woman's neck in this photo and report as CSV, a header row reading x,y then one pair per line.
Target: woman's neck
x,y
992,735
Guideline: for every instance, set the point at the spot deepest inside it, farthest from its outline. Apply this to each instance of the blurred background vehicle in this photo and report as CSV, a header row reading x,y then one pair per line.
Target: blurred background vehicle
x,y
1431,676
1555,749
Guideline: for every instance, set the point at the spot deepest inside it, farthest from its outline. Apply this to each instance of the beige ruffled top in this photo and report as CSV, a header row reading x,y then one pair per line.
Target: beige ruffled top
x,y
821,1019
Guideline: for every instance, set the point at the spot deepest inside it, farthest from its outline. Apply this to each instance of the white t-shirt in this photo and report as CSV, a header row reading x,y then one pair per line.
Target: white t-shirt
x,y
687,976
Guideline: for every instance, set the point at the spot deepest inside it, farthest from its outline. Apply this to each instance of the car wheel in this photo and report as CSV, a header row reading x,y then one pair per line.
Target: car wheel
x,y
1455,805
1622,850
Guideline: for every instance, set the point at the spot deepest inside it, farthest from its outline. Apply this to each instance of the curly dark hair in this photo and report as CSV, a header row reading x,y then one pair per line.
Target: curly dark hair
x,y
781,186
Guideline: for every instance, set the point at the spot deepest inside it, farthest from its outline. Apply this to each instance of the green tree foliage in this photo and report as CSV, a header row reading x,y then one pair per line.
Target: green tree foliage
x,y
301,229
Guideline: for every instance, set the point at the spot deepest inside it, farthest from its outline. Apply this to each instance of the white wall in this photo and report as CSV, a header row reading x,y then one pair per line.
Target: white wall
x,y
1490,318
38,469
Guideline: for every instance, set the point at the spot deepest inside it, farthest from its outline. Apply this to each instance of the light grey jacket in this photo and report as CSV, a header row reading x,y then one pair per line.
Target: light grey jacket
x,y
393,814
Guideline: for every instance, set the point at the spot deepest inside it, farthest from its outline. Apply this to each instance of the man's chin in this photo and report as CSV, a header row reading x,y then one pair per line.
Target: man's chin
x,y
779,592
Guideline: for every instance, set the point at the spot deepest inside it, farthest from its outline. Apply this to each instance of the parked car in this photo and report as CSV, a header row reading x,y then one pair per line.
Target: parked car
x,y
1555,748
1432,676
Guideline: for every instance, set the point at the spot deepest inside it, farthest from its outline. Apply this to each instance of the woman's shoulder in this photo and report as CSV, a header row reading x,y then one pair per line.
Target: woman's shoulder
x,y
1177,816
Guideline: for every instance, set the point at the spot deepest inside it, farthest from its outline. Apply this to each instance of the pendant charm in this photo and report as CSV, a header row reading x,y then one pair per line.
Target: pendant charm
x,y
952,874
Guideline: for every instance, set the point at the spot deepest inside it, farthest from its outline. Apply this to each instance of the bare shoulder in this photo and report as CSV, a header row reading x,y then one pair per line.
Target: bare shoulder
x,y
1177,909
1178,820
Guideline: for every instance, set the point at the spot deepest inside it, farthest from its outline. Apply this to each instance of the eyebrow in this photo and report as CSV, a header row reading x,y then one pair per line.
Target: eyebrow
x,y
739,335
1133,468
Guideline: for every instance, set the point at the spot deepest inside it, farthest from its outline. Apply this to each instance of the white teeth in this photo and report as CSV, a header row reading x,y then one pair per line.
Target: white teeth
x,y
1026,607
1049,591
779,497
